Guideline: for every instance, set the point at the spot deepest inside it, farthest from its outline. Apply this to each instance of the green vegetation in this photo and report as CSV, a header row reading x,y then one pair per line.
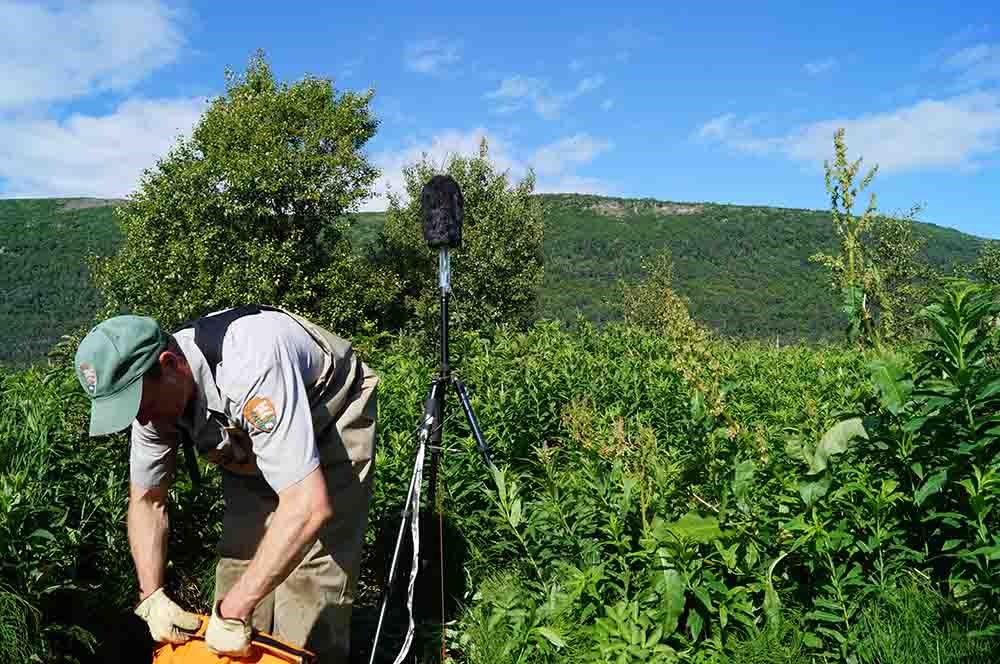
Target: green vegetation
x,y
745,270
831,499
246,209
490,287
673,486
44,287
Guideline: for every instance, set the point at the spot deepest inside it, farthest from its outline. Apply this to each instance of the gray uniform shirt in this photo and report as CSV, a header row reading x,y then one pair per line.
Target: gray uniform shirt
x,y
261,387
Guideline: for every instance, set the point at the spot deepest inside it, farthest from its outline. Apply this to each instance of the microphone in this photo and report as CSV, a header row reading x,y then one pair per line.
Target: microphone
x,y
443,212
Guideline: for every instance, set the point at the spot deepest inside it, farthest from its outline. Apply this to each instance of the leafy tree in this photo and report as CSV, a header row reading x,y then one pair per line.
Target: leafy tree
x,y
497,272
251,208
987,265
899,280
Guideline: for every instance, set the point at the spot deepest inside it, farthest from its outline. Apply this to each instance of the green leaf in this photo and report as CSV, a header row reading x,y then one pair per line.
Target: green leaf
x,y
812,641
695,624
825,616
835,441
772,604
988,391
44,534
696,528
702,594
930,487
673,601
743,479
951,544
515,512
893,389
551,636
813,490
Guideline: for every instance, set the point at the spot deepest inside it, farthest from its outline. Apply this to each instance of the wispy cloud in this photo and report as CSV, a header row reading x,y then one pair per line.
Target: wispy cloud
x,y
976,65
575,184
607,104
819,67
430,56
555,158
517,91
933,133
553,163
92,155
52,54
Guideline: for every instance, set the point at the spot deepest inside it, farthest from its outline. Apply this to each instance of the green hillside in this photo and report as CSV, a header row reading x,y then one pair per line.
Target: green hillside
x,y
44,290
745,269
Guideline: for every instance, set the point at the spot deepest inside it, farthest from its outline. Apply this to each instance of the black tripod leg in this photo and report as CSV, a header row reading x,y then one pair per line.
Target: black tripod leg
x,y
463,397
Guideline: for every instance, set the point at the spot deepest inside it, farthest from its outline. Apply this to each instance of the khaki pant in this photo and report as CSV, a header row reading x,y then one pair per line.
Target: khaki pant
x,y
312,607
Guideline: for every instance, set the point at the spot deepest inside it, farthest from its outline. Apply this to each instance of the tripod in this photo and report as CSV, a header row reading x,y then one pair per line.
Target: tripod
x,y
429,435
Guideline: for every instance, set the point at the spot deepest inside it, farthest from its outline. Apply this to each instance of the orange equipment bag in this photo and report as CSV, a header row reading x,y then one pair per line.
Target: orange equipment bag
x,y
265,650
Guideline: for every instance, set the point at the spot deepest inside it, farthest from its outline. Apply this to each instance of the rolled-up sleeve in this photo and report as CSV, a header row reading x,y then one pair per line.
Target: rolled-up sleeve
x,y
152,455
274,410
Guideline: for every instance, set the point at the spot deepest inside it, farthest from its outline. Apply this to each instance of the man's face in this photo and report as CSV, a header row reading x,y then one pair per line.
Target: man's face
x,y
164,398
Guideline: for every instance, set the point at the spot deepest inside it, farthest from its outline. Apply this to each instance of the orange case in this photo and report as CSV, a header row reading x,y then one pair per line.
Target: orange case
x,y
266,650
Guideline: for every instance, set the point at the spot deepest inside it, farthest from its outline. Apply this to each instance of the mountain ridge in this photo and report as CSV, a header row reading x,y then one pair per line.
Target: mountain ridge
x,y
744,268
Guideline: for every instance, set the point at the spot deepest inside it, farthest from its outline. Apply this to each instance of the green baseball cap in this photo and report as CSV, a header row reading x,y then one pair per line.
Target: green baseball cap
x,y
110,363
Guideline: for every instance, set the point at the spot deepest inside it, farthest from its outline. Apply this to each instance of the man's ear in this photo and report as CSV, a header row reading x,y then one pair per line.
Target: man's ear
x,y
169,360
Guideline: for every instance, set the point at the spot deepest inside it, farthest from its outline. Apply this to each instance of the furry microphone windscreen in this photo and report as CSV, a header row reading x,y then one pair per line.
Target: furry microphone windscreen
x,y
443,209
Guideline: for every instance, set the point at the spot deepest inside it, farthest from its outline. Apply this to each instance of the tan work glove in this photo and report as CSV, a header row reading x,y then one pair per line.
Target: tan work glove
x,y
166,620
227,636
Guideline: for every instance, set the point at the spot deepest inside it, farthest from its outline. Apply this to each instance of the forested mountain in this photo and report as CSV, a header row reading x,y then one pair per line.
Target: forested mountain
x,y
746,270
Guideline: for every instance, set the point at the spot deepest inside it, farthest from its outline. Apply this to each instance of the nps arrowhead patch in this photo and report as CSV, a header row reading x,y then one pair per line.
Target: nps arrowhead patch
x,y
260,414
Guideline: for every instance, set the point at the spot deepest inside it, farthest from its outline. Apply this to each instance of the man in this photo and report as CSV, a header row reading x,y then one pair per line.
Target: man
x,y
288,411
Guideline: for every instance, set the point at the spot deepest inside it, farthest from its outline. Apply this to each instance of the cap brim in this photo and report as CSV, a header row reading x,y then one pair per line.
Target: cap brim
x,y
115,413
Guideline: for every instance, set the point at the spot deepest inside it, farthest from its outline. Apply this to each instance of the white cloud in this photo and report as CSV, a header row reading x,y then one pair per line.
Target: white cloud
x,y
821,66
950,132
430,56
553,159
53,54
87,155
976,64
516,91
438,150
556,157
574,184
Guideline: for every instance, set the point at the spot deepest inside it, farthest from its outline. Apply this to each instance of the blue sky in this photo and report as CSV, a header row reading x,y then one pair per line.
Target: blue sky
x,y
715,102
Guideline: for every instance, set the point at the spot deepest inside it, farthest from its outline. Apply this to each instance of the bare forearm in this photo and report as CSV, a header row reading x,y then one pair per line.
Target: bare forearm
x,y
148,531
291,533
302,510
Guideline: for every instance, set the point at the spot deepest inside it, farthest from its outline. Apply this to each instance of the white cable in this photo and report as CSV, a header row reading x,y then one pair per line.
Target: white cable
x,y
415,531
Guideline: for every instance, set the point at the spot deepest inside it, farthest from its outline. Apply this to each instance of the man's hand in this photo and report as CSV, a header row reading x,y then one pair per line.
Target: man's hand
x,y
166,620
227,636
